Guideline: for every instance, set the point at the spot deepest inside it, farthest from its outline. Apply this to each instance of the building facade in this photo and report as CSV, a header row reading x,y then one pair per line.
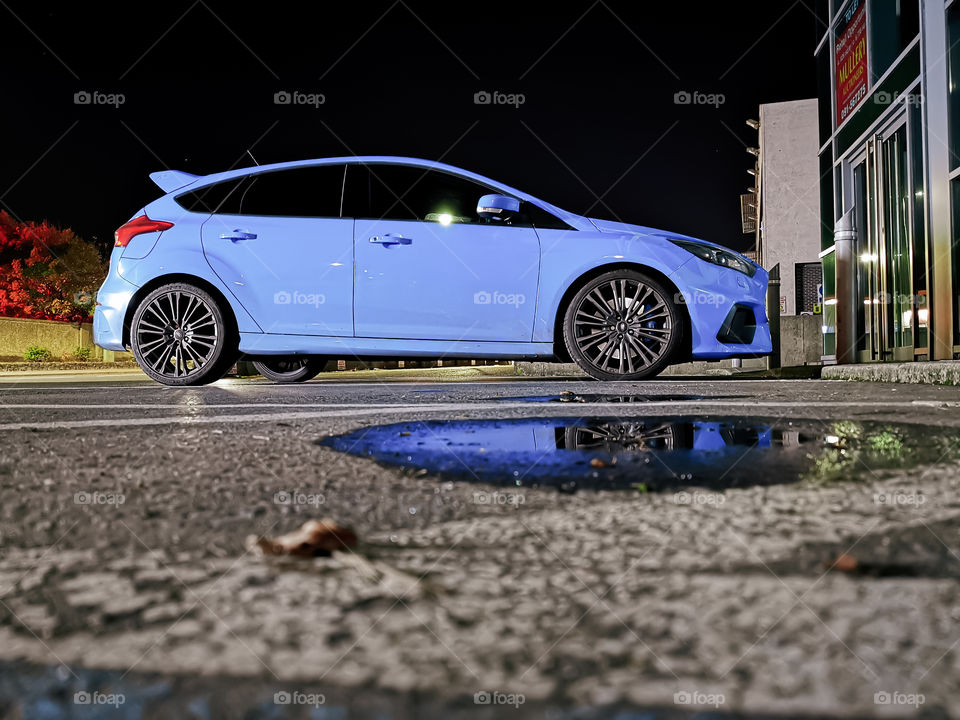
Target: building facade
x,y
889,165
787,181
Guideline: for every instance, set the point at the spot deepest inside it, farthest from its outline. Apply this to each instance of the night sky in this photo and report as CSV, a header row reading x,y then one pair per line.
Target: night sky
x,y
598,132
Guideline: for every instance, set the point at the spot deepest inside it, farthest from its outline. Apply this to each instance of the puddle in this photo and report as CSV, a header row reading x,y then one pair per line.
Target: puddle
x,y
646,453
570,397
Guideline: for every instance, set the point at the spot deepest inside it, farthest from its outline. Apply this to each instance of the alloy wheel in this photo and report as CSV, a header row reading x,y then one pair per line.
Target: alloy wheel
x,y
177,334
623,326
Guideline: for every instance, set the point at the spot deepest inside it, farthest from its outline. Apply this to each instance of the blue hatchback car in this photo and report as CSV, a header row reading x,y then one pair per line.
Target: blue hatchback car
x,y
390,257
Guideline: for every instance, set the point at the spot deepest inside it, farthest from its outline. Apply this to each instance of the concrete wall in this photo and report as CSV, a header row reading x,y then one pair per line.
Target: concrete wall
x,y
801,340
17,334
790,207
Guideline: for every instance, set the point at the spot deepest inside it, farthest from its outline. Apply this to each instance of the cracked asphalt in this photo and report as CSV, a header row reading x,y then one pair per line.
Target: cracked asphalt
x,y
124,508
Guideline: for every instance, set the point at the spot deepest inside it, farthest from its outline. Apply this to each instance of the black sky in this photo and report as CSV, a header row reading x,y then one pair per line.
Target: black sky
x,y
399,78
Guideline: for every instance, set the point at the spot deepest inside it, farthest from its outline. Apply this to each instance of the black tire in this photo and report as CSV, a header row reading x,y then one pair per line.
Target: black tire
x,y
622,325
180,336
290,370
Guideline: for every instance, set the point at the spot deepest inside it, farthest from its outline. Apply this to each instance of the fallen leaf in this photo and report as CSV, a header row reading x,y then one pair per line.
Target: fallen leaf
x,y
845,563
314,538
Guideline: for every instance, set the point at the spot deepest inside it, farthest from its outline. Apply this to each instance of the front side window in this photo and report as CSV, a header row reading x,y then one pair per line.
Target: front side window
x,y
406,192
314,191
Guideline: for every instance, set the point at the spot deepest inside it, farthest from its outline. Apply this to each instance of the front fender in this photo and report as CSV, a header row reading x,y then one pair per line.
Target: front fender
x,y
568,255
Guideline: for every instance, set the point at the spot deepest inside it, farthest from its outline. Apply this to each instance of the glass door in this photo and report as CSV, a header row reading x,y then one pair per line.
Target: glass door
x,y
880,193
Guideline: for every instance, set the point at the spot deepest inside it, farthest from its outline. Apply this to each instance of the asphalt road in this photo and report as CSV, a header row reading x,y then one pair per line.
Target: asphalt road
x,y
804,565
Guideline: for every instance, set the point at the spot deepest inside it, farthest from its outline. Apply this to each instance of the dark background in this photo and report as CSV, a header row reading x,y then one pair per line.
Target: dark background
x,y
399,78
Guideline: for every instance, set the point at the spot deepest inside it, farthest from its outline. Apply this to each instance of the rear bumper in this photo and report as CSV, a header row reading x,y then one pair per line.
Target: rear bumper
x,y
113,298
713,296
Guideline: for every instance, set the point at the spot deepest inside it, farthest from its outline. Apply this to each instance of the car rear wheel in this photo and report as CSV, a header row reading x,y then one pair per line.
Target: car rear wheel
x,y
622,325
180,337
290,370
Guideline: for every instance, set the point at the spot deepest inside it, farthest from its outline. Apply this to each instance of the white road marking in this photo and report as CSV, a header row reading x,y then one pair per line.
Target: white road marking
x,y
359,410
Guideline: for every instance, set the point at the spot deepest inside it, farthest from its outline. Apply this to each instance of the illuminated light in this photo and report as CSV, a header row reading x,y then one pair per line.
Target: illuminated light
x,y
336,264
832,439
907,319
831,301
869,257
445,218
923,315
618,257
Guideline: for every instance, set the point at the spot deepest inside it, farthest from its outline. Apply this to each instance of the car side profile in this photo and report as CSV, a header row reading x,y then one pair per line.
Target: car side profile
x,y
388,257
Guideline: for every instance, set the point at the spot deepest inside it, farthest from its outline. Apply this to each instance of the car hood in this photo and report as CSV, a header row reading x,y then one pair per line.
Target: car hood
x,y
611,226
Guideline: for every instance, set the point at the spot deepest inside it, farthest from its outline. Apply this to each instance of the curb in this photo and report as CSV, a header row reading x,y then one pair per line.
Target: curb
x,y
39,368
943,372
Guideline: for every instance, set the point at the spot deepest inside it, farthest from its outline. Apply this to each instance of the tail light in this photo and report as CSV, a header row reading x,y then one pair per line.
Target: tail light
x,y
139,225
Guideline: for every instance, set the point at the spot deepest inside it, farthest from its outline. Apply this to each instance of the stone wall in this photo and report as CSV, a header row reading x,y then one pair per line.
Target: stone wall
x,y
17,334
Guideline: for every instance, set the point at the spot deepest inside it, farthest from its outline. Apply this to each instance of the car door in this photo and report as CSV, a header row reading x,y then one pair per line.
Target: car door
x,y
428,268
278,242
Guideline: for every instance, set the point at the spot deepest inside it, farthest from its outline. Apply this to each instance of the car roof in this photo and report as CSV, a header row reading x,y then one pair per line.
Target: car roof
x,y
573,219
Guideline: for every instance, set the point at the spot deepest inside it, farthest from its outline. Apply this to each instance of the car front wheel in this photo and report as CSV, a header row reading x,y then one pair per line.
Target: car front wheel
x,y
179,336
622,325
290,370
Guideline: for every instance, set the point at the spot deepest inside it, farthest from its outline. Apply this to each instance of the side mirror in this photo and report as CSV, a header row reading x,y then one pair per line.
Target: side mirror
x,y
500,208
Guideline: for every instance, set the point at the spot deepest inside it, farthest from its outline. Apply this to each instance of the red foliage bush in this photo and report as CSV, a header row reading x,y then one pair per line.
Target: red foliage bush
x,y
46,272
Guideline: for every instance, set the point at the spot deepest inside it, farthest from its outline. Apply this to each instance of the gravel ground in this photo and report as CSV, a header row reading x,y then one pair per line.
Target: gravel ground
x,y
576,603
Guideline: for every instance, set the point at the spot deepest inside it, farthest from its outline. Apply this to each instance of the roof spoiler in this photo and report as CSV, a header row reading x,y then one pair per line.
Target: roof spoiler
x,y
170,180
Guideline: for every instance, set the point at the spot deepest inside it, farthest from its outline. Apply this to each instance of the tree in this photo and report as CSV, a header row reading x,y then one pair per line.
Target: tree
x,y
46,272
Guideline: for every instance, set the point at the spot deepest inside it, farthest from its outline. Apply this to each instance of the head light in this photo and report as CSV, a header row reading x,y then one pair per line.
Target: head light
x,y
717,256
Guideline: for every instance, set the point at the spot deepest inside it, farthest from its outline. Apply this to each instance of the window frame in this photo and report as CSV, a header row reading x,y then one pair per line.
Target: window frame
x,y
485,188
250,178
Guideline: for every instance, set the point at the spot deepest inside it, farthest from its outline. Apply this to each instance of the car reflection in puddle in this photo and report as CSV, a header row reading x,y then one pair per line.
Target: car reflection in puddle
x,y
570,397
644,453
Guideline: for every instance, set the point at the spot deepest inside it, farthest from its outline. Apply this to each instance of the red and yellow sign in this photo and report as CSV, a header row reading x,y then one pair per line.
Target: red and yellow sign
x,y
851,61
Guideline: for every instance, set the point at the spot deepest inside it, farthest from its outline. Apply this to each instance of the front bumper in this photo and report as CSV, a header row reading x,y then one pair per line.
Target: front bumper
x,y
717,300
113,298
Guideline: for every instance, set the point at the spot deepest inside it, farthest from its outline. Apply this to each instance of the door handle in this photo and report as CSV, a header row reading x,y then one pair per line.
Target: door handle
x,y
238,234
390,239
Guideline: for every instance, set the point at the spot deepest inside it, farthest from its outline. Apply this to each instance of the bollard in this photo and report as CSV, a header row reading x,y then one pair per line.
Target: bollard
x,y
773,316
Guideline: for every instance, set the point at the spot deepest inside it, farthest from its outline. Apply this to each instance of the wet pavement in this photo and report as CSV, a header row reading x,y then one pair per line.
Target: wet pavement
x,y
738,548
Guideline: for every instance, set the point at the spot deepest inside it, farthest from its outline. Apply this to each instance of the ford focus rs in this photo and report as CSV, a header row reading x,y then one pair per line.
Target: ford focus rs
x,y
385,257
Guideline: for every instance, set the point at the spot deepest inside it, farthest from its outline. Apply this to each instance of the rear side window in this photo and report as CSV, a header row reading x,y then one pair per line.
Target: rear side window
x,y
315,191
